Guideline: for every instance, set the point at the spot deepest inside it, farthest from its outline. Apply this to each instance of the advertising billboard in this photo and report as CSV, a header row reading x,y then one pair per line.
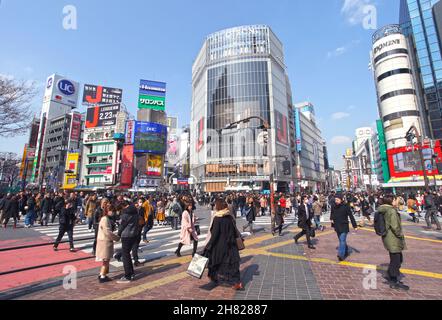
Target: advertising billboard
x,y
127,165
150,138
76,127
71,171
281,128
152,95
154,165
102,116
298,130
200,138
99,95
61,90
172,149
130,132
172,125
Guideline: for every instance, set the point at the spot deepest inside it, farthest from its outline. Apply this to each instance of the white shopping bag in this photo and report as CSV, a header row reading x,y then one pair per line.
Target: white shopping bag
x,y
197,266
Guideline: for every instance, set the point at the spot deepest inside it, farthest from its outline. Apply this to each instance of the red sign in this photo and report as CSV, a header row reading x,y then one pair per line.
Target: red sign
x,y
76,127
127,165
200,143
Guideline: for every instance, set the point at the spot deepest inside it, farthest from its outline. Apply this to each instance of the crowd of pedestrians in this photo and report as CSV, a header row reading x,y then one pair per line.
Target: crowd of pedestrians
x,y
128,218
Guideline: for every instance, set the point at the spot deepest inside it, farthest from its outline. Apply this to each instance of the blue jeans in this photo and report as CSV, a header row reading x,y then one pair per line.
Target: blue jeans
x,y
318,222
30,218
343,248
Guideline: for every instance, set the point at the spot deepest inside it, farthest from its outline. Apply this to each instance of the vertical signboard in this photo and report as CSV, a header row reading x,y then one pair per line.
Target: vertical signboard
x,y
130,132
76,127
200,138
281,128
383,150
298,130
127,165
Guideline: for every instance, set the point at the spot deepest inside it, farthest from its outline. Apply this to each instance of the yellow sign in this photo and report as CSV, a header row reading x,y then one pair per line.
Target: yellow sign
x,y
349,152
154,165
71,171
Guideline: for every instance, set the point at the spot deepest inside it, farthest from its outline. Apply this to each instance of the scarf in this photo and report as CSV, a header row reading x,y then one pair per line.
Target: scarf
x,y
222,213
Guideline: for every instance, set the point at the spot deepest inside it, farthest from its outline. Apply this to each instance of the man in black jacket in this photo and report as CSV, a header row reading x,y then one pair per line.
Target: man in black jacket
x,y
67,223
305,214
58,205
431,211
340,214
47,205
128,232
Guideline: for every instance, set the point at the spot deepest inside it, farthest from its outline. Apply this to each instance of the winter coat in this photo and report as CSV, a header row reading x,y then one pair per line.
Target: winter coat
x,y
340,215
188,228
317,208
105,240
47,205
250,213
67,217
129,223
222,249
31,204
10,208
58,204
394,241
91,206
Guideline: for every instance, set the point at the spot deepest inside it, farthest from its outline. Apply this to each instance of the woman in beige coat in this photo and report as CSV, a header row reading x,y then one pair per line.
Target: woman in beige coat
x,y
105,242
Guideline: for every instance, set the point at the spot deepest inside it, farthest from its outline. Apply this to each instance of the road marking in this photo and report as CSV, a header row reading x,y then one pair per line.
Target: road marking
x,y
410,237
126,293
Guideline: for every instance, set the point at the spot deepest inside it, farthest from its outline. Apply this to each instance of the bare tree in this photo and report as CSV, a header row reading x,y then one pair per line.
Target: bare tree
x,y
15,106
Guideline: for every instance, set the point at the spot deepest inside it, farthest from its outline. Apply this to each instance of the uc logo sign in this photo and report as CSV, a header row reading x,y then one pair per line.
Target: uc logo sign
x,y
66,87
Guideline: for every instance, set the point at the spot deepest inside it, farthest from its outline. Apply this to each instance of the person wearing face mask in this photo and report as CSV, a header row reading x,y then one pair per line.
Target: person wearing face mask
x,y
305,214
340,215
105,242
67,223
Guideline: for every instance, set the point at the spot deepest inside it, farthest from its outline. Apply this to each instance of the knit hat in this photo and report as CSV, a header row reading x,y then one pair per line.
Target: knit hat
x,y
339,196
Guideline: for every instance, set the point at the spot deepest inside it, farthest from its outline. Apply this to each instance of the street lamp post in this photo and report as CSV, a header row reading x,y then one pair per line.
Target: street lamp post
x,y
414,133
266,128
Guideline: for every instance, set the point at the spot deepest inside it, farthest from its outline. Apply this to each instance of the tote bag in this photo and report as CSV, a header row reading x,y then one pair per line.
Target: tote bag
x,y
197,266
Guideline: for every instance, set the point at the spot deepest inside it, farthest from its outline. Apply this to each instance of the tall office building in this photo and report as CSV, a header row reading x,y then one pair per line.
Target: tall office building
x,y
240,73
418,25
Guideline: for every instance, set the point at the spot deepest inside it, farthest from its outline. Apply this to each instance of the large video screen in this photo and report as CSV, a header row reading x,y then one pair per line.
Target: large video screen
x,y
150,138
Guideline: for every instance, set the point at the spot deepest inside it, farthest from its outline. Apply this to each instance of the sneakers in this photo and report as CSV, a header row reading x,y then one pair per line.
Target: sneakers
x,y
399,286
72,250
55,249
124,280
311,247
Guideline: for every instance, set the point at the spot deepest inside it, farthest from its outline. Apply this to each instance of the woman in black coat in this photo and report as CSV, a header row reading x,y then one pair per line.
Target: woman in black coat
x,y
250,213
11,210
222,249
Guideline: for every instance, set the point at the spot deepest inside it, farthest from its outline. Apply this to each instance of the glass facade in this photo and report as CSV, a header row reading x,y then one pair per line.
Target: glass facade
x,y
417,22
239,73
237,91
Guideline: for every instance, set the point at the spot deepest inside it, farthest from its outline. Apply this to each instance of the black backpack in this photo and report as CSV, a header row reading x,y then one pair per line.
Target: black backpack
x,y
379,224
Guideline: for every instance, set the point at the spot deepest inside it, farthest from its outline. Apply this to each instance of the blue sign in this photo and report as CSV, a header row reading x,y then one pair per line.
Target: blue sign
x,y
150,138
298,130
66,87
153,88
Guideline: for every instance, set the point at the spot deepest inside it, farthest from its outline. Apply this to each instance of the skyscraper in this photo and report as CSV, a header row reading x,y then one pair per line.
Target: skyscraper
x,y
418,25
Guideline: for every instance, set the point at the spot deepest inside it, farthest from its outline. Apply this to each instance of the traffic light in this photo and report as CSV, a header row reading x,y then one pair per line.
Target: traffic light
x,y
287,168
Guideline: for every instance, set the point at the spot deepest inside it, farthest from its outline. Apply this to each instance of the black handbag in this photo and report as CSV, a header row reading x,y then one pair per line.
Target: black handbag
x,y
312,233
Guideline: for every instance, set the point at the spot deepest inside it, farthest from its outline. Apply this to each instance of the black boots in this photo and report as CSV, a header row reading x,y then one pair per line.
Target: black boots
x,y
178,251
195,247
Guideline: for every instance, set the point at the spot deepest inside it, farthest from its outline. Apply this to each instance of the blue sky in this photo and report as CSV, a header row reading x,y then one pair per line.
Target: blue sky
x,y
119,42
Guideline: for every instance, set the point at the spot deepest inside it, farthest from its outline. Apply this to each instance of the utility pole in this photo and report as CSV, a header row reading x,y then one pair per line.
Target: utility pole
x,y
411,135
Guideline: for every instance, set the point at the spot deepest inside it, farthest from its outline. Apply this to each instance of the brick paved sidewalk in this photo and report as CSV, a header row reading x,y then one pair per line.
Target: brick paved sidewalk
x,y
274,268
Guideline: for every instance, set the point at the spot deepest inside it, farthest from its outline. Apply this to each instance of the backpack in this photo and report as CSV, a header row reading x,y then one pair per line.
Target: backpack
x,y
379,224
176,208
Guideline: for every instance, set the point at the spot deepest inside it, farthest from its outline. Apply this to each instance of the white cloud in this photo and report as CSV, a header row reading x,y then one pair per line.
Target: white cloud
x,y
337,140
353,10
340,115
342,50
